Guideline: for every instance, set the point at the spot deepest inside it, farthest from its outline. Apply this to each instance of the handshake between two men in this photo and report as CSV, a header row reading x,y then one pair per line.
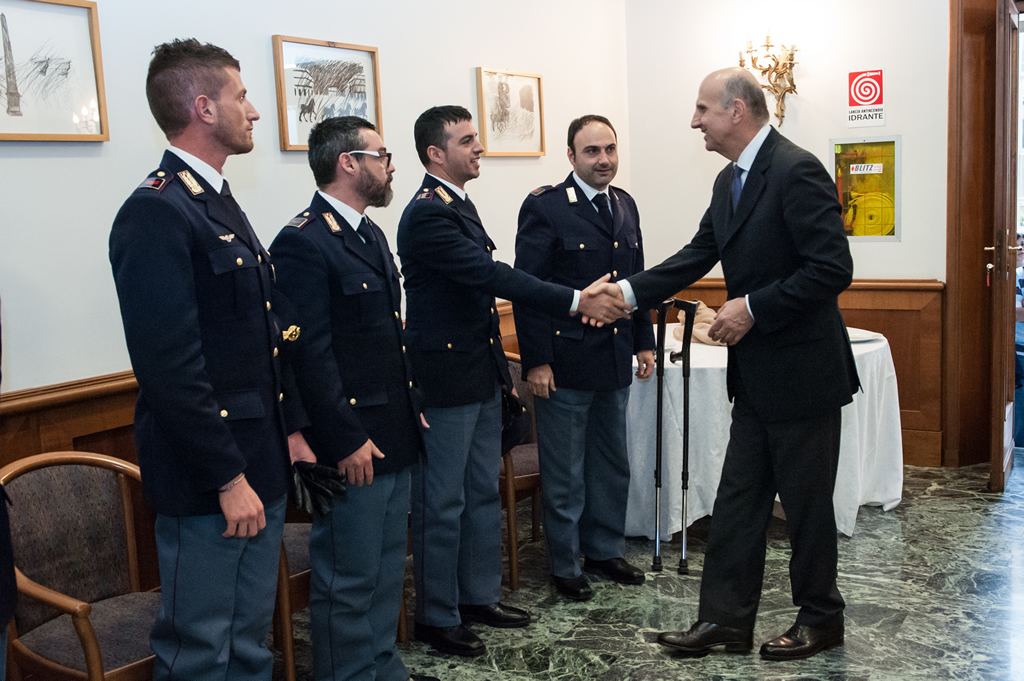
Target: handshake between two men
x,y
603,302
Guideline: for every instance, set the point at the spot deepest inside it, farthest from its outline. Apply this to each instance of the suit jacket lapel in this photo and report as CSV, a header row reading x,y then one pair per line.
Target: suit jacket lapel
x,y
585,208
348,236
753,187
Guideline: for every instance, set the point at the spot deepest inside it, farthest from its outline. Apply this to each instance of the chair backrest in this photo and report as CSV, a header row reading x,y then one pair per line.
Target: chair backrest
x,y
72,528
525,396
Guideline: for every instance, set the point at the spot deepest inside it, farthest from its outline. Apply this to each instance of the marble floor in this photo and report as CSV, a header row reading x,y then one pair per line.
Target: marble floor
x,y
934,590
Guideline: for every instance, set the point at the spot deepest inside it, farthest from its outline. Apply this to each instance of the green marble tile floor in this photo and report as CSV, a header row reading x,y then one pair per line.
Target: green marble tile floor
x,y
934,591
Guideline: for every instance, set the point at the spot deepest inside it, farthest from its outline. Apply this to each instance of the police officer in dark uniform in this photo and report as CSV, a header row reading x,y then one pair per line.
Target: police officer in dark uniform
x,y
571,234
333,263
194,286
452,335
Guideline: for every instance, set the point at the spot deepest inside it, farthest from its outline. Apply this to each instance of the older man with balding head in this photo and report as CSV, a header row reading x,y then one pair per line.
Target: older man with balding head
x,y
775,225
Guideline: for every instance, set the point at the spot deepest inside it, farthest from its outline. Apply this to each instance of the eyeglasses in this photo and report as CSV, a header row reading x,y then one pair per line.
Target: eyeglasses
x,y
383,155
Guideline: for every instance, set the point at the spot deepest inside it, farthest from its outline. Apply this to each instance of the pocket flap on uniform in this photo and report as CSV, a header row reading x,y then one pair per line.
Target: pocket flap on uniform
x,y
240,404
231,258
579,243
366,394
354,283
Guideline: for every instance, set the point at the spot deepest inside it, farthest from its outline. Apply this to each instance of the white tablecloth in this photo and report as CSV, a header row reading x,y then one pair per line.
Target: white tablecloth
x,y
870,453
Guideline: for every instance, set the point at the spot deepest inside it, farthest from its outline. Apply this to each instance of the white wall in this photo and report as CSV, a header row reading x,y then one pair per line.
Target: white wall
x,y
60,317
673,45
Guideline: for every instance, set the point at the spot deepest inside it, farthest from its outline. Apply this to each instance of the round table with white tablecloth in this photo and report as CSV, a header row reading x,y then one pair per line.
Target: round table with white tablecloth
x,y
870,453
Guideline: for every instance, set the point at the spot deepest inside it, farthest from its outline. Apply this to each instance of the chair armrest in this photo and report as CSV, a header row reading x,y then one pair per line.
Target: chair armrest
x,y
67,604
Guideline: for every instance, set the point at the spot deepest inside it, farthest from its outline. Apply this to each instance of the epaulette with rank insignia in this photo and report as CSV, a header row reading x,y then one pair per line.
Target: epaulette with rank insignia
x,y
300,221
157,181
542,190
425,194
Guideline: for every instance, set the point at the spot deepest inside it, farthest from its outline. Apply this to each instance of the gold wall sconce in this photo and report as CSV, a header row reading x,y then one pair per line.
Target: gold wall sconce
x,y
775,70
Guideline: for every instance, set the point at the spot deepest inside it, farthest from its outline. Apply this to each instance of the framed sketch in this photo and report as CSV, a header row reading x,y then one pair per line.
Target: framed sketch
x,y
52,87
510,112
867,171
318,79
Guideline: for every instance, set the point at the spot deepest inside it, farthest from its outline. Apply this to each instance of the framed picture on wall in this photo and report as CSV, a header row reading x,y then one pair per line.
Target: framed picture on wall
x,y
318,79
52,87
867,171
510,112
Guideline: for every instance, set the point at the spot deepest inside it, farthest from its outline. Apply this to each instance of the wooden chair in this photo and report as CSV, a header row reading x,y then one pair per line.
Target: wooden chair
x,y
81,614
520,476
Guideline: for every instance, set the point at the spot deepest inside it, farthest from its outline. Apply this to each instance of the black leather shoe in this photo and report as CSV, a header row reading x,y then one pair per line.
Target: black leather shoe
x,y
801,641
574,588
615,569
703,636
495,615
457,640
422,677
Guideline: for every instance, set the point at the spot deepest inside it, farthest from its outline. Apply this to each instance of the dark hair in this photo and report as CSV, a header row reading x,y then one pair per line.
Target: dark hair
x,y
329,139
745,86
180,71
578,124
429,128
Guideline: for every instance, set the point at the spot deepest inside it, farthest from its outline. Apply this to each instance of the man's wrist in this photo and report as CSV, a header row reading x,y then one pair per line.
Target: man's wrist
x,y
230,485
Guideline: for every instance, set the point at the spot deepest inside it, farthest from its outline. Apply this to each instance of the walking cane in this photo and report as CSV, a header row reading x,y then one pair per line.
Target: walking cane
x,y
660,364
689,308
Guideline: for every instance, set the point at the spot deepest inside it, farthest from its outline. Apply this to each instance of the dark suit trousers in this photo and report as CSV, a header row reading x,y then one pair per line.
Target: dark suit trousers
x,y
796,460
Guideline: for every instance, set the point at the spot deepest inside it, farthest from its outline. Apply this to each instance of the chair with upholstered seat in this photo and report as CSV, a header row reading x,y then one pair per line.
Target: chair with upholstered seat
x,y
81,614
520,476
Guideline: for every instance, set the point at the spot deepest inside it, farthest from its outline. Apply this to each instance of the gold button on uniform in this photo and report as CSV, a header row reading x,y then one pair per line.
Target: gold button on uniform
x,y
396,314
492,310
403,348
488,249
268,305
280,397
259,258
558,333
352,401
364,285
223,413
410,384
492,341
581,245
615,245
614,331
239,262
449,346
306,214
275,352
160,173
615,273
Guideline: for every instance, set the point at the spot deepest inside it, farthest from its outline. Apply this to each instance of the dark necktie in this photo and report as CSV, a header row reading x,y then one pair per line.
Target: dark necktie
x,y
370,249
737,185
604,210
249,236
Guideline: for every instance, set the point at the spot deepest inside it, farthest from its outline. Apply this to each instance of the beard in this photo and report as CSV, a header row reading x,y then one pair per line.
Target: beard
x,y
236,140
375,192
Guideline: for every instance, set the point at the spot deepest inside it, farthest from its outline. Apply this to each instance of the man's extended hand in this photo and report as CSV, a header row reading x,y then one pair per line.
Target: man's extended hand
x,y
298,449
645,360
602,303
541,380
358,466
242,509
732,322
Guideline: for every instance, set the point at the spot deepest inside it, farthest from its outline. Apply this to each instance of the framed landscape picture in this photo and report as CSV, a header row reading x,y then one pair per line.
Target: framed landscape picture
x,y
318,79
52,71
510,112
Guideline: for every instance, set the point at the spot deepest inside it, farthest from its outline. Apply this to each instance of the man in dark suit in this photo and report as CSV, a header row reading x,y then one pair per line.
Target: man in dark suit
x,y
583,373
451,281
333,263
775,225
194,285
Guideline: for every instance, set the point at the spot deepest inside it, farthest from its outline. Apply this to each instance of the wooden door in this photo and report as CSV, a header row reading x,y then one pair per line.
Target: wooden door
x,y
1003,246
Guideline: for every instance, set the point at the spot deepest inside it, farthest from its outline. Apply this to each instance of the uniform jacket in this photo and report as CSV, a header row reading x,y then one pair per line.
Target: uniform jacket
x,y
354,376
562,239
451,281
195,296
786,248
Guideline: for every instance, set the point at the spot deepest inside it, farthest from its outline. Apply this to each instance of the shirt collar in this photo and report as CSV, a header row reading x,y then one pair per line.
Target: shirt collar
x,y
350,214
461,193
205,170
587,190
746,159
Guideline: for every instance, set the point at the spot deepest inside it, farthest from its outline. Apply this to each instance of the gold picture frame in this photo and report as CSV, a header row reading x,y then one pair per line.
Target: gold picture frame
x,y
319,79
510,106
51,81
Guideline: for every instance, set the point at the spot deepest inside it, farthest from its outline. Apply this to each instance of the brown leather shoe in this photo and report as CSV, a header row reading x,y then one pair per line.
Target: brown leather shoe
x,y
702,637
802,641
